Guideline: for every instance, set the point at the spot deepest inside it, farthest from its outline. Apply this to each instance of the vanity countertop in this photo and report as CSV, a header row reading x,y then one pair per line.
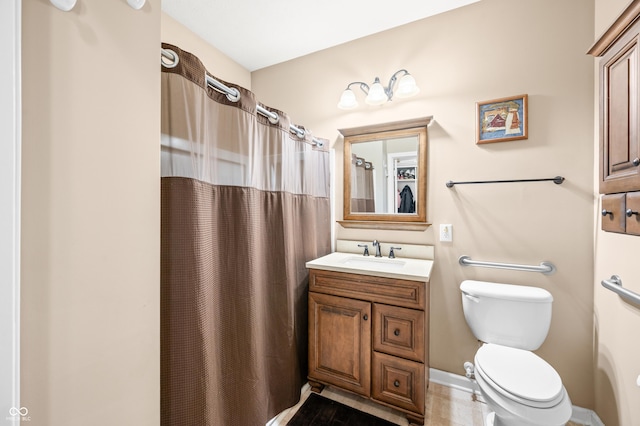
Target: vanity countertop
x,y
400,267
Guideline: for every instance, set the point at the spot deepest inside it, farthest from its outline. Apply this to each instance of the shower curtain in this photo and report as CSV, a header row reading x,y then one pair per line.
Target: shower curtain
x,y
244,205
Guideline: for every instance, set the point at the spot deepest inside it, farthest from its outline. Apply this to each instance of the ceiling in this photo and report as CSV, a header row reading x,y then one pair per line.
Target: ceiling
x,y
260,33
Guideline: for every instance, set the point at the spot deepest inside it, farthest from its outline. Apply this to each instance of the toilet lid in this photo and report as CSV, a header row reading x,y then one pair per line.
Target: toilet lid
x,y
519,372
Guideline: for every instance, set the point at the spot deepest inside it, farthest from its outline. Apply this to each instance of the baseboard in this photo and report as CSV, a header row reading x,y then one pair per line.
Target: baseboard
x,y
579,415
451,380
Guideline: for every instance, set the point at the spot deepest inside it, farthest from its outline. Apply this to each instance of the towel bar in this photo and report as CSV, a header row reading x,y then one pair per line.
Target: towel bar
x,y
615,284
546,268
557,180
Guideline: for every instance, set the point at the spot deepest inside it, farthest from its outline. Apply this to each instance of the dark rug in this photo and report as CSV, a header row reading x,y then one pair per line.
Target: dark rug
x,y
320,411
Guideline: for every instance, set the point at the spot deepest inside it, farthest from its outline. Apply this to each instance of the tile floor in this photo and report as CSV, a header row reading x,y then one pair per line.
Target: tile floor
x,y
446,406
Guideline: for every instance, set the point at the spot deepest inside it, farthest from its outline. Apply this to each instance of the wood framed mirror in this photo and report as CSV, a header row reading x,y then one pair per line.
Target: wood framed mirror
x,y
385,175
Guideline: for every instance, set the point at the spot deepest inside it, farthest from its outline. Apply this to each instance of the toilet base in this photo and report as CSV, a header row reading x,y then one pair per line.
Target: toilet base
x,y
493,420
490,419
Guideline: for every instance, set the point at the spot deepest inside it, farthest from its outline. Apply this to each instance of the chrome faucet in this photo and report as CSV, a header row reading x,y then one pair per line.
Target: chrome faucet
x,y
392,255
376,244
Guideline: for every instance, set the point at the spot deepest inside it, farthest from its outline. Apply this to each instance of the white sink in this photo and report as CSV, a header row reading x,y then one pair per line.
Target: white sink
x,y
402,268
374,262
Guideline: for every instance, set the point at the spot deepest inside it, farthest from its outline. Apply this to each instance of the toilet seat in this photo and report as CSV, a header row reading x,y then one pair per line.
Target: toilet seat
x,y
519,375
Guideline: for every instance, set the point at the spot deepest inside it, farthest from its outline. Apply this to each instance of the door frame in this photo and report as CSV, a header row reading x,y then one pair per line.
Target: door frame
x,y
10,186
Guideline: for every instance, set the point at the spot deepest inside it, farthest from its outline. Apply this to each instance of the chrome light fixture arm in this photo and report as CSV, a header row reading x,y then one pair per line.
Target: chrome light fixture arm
x,y
392,81
363,86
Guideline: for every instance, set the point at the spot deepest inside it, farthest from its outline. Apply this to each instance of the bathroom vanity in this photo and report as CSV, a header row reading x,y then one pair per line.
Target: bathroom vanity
x,y
368,329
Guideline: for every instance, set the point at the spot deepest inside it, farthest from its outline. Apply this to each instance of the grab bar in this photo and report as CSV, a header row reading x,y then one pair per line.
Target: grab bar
x,y
615,284
546,268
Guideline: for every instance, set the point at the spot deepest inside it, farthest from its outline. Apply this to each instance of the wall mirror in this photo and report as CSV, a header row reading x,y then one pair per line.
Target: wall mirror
x,y
385,175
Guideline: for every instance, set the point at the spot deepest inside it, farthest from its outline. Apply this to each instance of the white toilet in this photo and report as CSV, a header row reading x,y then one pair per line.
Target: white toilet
x,y
520,388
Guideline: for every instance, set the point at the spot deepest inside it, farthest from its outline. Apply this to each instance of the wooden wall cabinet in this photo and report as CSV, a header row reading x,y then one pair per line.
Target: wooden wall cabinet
x,y
618,50
368,335
619,109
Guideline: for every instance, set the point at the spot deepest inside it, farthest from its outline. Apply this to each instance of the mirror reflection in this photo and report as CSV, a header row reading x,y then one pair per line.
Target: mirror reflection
x,y
384,176
385,173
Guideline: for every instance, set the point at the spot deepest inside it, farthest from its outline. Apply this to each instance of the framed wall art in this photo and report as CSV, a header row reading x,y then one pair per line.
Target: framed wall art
x,y
501,120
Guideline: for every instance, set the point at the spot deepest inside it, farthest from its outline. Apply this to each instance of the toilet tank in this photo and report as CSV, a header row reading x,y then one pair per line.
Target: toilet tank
x,y
506,314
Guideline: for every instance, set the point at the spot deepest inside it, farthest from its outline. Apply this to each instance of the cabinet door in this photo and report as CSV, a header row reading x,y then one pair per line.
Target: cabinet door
x,y
613,213
632,213
340,342
619,117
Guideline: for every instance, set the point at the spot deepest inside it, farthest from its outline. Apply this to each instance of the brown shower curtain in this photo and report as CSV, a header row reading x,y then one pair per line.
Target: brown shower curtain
x,y
244,205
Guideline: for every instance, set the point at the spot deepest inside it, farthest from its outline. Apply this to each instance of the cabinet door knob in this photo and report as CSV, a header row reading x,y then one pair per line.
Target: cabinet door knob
x,y
606,212
396,332
630,213
636,161
396,384
365,317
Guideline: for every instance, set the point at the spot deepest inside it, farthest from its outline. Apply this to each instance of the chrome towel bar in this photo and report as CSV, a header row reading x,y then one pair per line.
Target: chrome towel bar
x,y
546,268
615,284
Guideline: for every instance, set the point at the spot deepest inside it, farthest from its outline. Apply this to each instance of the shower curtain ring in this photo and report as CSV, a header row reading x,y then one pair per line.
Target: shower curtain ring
x,y
170,55
235,96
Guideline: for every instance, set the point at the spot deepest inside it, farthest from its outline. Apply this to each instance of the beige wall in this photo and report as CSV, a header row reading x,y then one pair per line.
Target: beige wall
x,y
488,50
216,62
617,351
90,204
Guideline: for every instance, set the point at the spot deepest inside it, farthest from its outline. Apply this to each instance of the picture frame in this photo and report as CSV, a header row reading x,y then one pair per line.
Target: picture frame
x,y
502,120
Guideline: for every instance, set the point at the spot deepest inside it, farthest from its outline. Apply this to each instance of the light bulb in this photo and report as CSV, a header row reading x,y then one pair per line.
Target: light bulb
x,y
136,4
407,87
64,5
348,100
376,95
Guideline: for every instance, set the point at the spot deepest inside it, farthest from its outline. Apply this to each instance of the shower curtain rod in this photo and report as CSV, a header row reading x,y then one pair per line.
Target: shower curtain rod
x,y
233,95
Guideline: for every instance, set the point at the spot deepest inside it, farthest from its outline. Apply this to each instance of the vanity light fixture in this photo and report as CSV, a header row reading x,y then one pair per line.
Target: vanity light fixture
x,y
377,94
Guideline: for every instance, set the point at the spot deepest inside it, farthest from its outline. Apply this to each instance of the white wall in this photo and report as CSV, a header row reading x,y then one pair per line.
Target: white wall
x,y
217,63
10,211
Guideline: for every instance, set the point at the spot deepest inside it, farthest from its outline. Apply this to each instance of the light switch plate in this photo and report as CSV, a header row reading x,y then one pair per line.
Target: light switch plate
x,y
446,233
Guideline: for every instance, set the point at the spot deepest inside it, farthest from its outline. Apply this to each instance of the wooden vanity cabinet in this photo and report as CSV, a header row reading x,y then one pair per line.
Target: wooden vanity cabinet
x,y
368,335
